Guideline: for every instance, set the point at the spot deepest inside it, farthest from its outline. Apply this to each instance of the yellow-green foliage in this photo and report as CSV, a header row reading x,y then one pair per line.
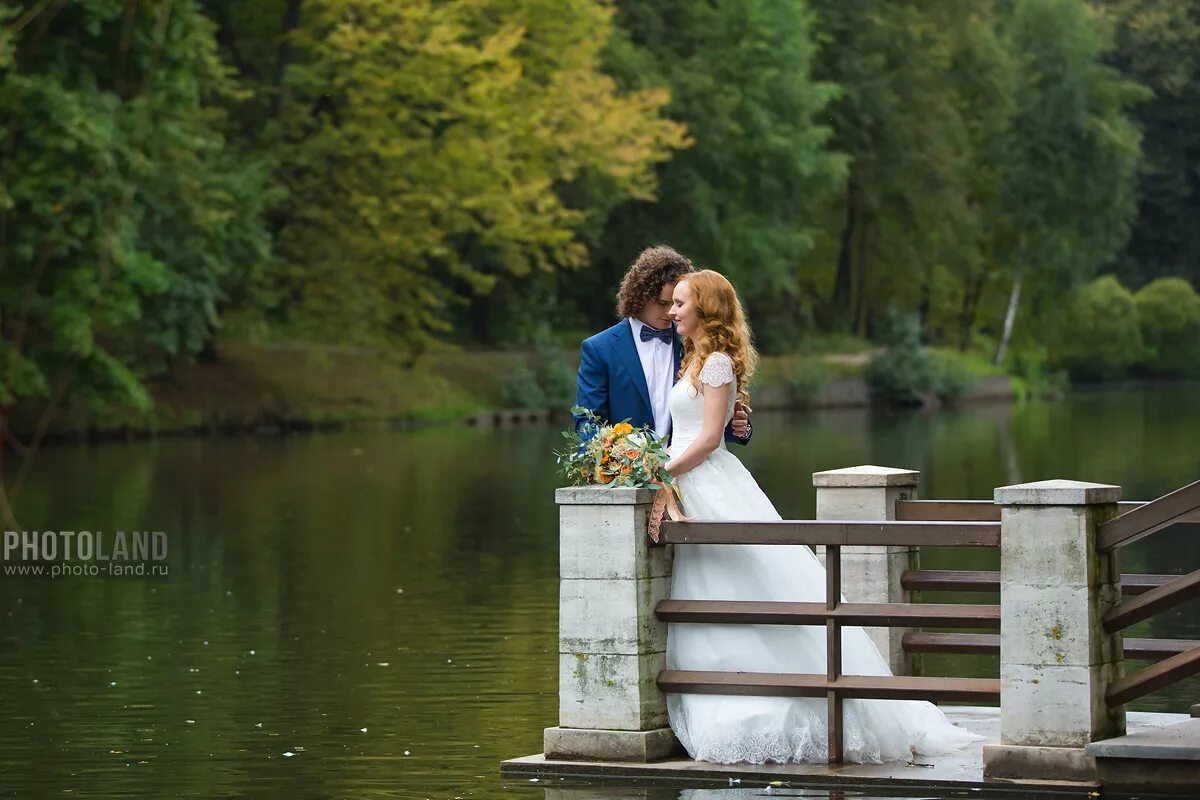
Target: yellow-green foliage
x,y
436,140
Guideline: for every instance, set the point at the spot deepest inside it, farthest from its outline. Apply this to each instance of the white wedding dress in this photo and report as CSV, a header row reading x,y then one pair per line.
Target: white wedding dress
x,y
733,729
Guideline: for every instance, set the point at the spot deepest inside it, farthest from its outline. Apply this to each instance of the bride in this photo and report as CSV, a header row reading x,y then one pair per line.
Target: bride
x,y
718,362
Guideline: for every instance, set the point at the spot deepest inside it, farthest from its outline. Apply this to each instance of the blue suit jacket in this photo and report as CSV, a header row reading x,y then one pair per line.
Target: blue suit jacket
x,y
611,382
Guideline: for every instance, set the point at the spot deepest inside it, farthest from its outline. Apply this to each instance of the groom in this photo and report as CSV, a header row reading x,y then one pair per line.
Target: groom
x,y
627,371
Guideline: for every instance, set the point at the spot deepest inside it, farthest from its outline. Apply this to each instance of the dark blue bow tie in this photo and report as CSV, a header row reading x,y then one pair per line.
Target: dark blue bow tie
x,y
667,334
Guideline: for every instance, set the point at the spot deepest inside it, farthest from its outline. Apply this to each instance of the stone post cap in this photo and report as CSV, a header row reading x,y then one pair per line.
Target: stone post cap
x,y
602,496
865,477
1057,493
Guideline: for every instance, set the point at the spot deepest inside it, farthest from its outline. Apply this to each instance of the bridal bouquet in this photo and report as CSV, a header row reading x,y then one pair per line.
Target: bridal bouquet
x,y
619,456
612,455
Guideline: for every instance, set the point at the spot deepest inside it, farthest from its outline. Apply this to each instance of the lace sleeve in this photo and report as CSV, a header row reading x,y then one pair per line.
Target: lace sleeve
x,y
717,370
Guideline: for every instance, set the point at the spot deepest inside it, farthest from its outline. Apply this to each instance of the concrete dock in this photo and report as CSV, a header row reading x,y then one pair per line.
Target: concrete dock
x,y
958,771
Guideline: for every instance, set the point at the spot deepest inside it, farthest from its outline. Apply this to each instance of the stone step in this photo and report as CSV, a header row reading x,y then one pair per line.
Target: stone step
x,y
1180,742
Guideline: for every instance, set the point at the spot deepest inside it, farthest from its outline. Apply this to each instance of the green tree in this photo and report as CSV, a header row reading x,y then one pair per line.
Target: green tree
x,y
1102,337
1158,45
742,200
1169,313
984,72
430,149
1070,160
121,214
917,80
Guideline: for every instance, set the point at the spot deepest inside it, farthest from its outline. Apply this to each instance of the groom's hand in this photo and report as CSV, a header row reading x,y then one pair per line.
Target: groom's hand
x,y
741,421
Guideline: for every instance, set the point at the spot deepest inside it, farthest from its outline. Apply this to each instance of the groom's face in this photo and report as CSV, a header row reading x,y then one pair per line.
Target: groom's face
x,y
655,312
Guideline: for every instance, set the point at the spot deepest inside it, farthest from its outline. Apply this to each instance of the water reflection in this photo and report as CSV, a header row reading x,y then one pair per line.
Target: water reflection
x,y
735,793
763,790
383,605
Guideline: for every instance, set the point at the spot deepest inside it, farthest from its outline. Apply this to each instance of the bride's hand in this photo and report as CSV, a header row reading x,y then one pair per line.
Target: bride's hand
x,y
741,420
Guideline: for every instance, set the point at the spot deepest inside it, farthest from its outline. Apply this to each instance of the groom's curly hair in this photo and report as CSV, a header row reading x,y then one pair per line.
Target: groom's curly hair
x,y
654,268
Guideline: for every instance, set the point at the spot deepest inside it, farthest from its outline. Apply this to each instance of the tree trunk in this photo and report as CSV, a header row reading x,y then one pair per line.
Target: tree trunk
x,y
227,38
125,43
291,21
1014,300
30,450
968,311
841,284
6,512
861,311
925,305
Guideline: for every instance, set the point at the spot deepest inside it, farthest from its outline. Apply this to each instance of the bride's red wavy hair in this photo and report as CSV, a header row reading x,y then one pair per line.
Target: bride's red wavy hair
x,y
723,329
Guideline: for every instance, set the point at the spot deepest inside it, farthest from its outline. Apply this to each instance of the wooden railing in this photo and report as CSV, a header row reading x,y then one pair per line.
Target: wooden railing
x,y
604,547
948,580
818,532
988,644
944,523
833,614
917,642
1142,595
987,511
1181,505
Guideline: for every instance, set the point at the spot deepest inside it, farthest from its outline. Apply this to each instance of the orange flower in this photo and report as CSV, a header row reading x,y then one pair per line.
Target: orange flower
x,y
626,470
603,477
631,453
622,429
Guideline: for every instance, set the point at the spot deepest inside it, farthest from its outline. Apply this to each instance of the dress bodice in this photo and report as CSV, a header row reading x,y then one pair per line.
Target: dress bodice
x,y
687,404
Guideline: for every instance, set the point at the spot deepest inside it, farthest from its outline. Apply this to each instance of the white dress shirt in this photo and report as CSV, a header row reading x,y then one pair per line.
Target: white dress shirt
x,y
658,365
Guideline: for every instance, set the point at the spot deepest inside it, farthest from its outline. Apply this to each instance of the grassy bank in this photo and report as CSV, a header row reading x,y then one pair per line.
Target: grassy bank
x,y
253,387
291,386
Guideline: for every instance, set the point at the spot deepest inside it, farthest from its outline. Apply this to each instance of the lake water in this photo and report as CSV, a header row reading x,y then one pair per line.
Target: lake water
x,y
382,606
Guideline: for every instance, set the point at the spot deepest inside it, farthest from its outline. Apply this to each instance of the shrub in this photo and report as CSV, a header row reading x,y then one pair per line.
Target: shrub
x,y
904,374
521,390
1169,314
1034,376
554,375
1102,339
952,381
549,382
805,383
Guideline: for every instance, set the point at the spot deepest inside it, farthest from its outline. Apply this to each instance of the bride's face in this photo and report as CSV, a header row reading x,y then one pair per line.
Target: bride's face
x,y
683,310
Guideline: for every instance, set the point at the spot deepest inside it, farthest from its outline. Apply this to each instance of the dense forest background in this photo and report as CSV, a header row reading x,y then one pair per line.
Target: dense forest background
x,y
1013,178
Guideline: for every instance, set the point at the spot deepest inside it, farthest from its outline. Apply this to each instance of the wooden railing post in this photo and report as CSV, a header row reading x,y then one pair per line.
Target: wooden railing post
x,y
871,574
611,645
1056,660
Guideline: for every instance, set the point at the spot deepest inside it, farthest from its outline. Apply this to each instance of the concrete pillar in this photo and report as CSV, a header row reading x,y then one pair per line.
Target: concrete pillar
x,y
611,646
871,574
1056,661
